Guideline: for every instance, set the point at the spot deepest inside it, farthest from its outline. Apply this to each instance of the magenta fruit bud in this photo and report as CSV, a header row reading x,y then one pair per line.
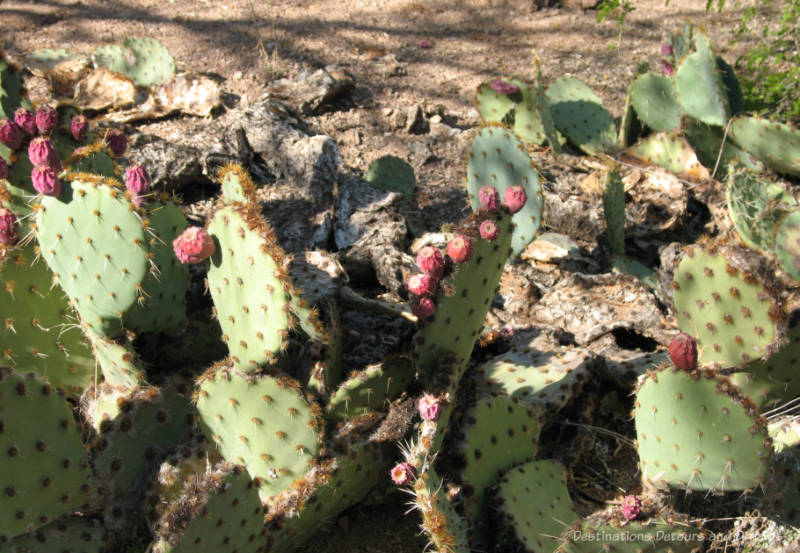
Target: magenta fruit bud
x,y
459,248
514,198
117,142
45,181
403,473
137,181
424,308
424,43
422,284
79,128
667,68
10,134
429,407
666,49
9,227
489,230
430,260
502,87
25,120
489,198
3,169
42,153
193,245
683,352
631,505
46,119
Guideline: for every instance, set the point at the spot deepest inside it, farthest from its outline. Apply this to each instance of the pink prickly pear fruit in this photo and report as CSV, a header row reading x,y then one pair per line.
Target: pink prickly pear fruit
x,y
3,169
25,120
667,68
424,43
424,308
489,230
9,227
137,182
631,505
430,260
46,119
683,352
666,49
502,87
489,198
402,473
193,245
514,198
79,128
42,153
117,142
459,248
422,284
45,181
429,407
10,134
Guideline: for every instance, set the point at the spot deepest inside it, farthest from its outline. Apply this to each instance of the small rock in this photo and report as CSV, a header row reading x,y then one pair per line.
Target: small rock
x,y
415,121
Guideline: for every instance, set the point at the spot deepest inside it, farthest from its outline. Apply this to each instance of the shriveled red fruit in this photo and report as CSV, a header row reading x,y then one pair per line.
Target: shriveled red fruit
x,y
45,181
137,182
514,198
193,245
631,505
459,248
424,308
9,227
42,153
25,120
489,230
502,87
10,134
422,284
489,198
117,142
79,127
683,352
3,169
46,119
430,260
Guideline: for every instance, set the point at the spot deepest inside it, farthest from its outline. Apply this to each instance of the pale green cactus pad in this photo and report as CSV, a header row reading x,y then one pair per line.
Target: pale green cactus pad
x,y
579,114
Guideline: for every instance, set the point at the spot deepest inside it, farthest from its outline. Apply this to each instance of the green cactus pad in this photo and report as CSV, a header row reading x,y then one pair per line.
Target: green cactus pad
x,y
46,474
145,60
96,244
119,363
37,333
10,88
370,389
731,314
393,174
696,431
733,89
445,528
630,127
247,284
653,97
528,123
166,280
263,423
494,106
707,141
787,244
219,512
699,85
579,114
535,505
614,211
555,139
18,185
497,158
756,207
92,159
72,533
776,144
668,150
236,184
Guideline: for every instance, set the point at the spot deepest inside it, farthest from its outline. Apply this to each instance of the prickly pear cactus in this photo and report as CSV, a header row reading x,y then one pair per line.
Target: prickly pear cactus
x,y
787,244
143,59
367,390
579,114
756,207
10,99
614,211
497,158
700,87
671,151
76,534
654,99
392,173
446,529
493,105
776,144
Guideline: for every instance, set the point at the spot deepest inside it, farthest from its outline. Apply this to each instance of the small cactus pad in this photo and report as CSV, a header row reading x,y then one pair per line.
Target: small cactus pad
x,y
236,184
445,528
700,87
119,363
527,116
497,158
145,60
671,151
36,333
264,423
731,314
247,285
218,512
653,97
696,431
707,141
494,106
776,144
535,505
71,533
393,174
97,246
787,244
756,207
579,114
614,211
45,471
92,159
370,389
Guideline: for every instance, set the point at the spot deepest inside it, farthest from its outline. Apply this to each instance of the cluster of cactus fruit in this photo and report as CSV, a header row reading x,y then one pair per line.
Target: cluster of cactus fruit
x,y
254,452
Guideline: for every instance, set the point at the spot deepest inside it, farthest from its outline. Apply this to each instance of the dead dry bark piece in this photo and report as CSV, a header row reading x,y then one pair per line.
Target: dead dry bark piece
x,y
105,89
589,306
308,92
